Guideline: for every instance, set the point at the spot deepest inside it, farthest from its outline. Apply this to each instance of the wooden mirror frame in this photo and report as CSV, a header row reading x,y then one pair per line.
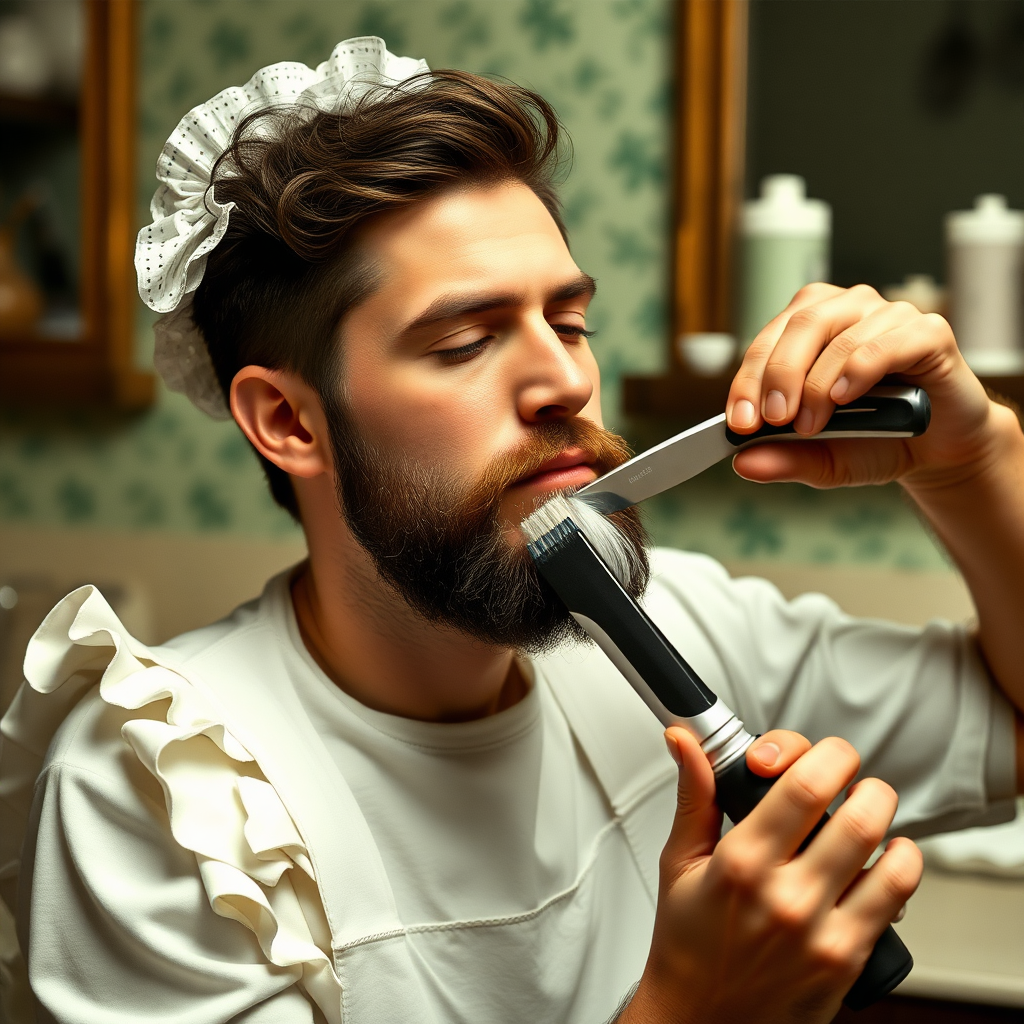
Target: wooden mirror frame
x,y
710,91
98,368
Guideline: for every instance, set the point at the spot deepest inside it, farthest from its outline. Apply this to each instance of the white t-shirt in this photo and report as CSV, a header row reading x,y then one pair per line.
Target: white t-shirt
x,y
498,870
482,819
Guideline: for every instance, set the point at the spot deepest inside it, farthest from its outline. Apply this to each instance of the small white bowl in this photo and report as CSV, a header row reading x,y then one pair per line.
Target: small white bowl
x,y
707,355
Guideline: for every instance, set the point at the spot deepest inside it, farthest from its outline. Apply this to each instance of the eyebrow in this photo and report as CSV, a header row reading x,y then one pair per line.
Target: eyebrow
x,y
449,307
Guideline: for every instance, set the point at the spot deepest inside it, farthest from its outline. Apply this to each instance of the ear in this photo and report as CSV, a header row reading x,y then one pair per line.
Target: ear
x,y
281,415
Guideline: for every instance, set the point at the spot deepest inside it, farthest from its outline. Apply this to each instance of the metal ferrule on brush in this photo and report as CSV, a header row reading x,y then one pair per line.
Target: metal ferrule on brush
x,y
635,645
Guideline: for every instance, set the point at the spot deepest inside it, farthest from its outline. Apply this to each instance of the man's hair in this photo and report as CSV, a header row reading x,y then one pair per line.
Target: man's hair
x,y
288,270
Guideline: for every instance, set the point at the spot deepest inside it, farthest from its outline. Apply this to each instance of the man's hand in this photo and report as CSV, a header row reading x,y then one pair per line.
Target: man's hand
x,y
747,928
966,473
829,346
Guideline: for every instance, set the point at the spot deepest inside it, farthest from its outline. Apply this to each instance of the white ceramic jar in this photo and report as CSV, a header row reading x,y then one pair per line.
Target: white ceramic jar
x,y
985,255
784,244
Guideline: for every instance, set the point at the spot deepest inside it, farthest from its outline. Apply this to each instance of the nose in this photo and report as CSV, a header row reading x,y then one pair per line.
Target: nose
x,y
553,385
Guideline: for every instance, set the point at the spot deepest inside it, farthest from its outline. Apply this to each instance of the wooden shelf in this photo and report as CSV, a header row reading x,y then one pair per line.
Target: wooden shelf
x,y
38,109
684,399
679,397
41,372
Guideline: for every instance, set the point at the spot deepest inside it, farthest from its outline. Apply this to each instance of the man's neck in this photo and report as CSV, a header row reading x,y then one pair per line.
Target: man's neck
x,y
380,651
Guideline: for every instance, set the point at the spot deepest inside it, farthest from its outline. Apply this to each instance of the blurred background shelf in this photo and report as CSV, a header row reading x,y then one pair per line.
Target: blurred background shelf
x,y
33,109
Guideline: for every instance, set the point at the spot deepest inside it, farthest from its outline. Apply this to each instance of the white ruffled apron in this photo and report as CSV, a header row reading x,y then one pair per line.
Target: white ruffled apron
x,y
224,755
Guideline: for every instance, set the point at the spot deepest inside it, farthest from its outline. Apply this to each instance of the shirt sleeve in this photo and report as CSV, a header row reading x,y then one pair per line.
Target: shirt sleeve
x,y
917,703
114,916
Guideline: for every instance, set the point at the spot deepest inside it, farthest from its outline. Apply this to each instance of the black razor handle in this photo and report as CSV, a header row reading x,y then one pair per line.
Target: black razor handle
x,y
889,410
737,792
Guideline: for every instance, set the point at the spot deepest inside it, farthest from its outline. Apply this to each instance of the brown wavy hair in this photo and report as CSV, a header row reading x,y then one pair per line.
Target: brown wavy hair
x,y
288,270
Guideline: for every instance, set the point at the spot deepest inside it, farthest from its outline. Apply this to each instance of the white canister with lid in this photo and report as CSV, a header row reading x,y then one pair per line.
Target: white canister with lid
x,y
784,244
985,252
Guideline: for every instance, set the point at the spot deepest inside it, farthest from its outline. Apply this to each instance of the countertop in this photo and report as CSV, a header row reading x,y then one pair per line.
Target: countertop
x,y
966,933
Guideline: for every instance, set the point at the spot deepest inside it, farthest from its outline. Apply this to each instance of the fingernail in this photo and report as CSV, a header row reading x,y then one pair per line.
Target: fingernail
x,y
900,914
775,406
839,389
673,749
768,754
743,414
804,422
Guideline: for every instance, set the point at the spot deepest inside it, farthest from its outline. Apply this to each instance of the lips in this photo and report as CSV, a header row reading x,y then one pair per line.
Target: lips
x,y
569,469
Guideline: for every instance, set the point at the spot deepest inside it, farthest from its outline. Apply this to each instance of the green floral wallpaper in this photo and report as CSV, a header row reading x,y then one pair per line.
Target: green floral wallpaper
x,y
605,64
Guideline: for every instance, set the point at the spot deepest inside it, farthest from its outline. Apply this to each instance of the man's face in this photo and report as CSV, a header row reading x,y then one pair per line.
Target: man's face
x,y
473,339
469,395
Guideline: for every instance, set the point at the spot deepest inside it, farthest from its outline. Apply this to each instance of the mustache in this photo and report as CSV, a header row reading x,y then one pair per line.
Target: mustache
x,y
601,449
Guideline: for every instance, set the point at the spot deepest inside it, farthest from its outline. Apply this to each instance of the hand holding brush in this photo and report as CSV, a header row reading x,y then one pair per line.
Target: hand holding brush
x,y
825,916
748,929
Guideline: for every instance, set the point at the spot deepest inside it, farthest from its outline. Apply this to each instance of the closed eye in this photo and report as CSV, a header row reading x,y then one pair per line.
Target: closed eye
x,y
572,330
461,354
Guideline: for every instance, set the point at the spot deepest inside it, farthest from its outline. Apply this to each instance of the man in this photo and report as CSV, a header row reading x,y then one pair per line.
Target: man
x,y
389,790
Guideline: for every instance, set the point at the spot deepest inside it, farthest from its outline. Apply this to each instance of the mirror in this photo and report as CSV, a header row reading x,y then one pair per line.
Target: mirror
x,y
67,284
895,114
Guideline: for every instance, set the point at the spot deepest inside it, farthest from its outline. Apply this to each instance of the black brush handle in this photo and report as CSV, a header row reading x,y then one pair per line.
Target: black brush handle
x,y
885,411
738,791
673,690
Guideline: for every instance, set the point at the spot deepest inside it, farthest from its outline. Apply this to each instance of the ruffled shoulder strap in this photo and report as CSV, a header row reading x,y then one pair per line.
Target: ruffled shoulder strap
x,y
252,848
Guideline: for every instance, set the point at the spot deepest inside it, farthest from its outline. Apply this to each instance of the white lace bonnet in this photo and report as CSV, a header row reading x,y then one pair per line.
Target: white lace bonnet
x,y
188,222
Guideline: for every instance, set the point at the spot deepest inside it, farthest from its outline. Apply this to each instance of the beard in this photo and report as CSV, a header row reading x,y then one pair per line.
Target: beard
x,y
442,544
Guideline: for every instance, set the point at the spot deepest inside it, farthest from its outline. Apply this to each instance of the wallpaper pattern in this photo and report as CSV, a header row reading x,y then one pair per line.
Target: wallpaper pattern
x,y
605,66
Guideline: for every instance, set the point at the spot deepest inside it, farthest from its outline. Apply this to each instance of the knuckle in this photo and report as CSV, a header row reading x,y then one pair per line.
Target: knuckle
x,y
846,342
866,292
940,325
806,319
815,389
867,353
900,878
840,748
780,366
838,956
814,290
738,869
864,825
761,346
791,911
747,378
804,789
906,309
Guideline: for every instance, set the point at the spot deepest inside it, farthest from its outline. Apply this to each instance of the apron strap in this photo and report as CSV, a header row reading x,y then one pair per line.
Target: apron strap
x,y
623,742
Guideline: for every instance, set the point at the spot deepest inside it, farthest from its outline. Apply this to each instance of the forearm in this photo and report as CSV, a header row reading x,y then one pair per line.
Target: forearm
x,y
980,519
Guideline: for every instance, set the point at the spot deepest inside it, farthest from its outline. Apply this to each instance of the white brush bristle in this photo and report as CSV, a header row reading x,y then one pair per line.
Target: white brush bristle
x,y
605,538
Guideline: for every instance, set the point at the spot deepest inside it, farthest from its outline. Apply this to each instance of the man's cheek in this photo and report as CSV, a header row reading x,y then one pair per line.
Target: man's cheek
x,y
512,510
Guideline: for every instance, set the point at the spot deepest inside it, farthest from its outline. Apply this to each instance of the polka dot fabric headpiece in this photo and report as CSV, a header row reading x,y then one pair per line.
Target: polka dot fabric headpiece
x,y
188,222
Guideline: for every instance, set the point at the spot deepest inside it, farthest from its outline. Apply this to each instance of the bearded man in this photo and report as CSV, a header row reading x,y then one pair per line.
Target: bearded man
x,y
393,788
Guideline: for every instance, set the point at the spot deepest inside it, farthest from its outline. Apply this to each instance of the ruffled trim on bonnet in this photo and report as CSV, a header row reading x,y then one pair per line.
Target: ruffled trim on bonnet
x,y
188,222
253,862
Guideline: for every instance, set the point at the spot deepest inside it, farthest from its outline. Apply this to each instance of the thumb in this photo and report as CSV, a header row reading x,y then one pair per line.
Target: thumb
x,y
698,821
